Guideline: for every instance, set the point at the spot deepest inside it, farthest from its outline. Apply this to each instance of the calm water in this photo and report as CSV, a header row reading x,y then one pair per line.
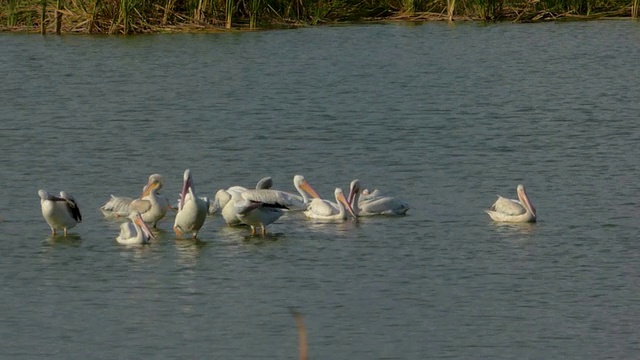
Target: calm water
x,y
445,117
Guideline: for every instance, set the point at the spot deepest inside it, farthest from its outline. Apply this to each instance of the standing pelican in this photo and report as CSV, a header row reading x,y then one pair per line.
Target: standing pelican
x,y
272,198
136,232
326,210
257,208
192,210
511,210
223,196
151,205
374,203
61,212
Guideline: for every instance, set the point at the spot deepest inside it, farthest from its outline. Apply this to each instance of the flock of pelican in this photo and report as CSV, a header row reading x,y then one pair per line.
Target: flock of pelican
x,y
256,208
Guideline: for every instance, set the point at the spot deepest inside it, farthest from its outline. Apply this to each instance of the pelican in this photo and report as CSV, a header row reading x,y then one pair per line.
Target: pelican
x,y
223,196
192,210
326,210
284,200
307,193
136,232
511,210
375,203
61,212
151,205
257,208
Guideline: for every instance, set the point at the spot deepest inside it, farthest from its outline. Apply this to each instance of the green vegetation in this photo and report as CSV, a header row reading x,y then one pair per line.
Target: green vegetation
x,y
140,16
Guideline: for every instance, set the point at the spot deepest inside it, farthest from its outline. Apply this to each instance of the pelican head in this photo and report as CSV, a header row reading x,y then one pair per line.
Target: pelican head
x,y
354,188
301,183
154,182
44,194
265,183
187,183
522,196
340,197
136,217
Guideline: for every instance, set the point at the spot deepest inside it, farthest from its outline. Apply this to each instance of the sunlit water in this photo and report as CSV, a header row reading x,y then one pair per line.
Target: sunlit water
x,y
445,117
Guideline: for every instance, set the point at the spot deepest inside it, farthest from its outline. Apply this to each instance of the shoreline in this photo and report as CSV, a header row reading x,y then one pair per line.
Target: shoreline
x,y
67,22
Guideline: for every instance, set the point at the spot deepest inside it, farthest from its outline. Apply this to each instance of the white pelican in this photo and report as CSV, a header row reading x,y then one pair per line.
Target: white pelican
x,y
192,210
136,232
511,210
223,196
257,208
326,210
374,203
284,200
61,212
151,205
307,193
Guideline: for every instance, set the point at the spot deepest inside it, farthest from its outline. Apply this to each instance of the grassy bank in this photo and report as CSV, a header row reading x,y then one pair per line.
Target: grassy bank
x,y
140,16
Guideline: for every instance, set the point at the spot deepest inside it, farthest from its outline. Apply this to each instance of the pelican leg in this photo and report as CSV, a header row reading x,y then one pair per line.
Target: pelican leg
x,y
65,232
253,230
264,231
53,231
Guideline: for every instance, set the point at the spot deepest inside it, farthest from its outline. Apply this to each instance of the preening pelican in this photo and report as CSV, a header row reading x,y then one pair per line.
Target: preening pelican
x,y
151,205
257,208
136,232
223,196
326,210
61,212
280,199
374,203
511,210
192,210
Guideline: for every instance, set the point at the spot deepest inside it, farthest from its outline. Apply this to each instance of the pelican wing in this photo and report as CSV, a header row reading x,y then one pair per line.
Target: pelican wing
x,y
75,211
117,205
369,196
127,231
271,198
140,205
322,207
72,206
508,206
386,205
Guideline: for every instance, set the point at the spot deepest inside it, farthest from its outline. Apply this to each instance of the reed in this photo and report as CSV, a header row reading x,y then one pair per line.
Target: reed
x,y
489,10
203,10
12,13
58,17
43,18
229,6
451,5
135,16
408,7
254,11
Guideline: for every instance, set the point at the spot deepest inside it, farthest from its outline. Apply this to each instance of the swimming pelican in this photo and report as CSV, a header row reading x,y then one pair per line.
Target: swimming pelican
x,y
326,210
374,203
511,210
192,210
306,194
61,212
151,205
136,232
257,208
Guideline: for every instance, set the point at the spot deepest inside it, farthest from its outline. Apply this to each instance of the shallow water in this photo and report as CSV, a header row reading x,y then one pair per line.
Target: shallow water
x,y
445,117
